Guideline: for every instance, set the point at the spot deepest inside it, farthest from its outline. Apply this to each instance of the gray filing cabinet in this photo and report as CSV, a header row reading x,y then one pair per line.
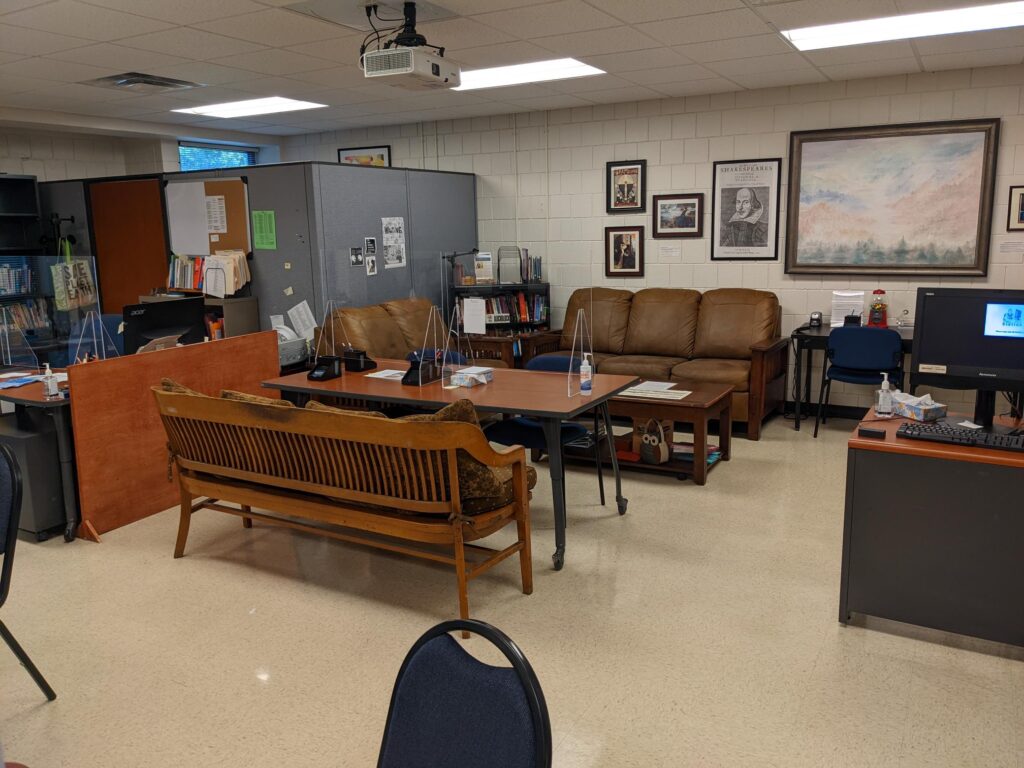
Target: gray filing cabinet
x,y
30,434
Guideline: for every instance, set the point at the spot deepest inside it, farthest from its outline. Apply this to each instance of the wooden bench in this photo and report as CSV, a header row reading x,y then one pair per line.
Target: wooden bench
x,y
383,483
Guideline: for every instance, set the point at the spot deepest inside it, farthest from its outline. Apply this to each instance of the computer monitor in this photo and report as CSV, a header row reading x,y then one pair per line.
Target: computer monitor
x,y
970,338
184,319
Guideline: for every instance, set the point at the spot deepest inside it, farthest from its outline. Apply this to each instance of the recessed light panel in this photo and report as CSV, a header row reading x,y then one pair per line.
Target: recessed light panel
x,y
251,107
519,74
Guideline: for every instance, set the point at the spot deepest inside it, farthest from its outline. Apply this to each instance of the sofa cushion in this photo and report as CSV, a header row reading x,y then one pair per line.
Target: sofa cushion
x,y
710,370
732,319
370,328
412,316
504,476
245,397
662,321
645,366
607,313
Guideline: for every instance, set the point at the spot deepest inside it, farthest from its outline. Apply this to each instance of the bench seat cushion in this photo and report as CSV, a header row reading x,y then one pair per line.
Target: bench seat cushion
x,y
506,495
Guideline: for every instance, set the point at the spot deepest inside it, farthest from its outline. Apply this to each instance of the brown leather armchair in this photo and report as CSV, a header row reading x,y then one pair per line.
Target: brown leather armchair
x,y
724,336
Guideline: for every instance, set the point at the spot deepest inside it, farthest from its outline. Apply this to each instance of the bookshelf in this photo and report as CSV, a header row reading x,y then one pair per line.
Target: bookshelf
x,y
20,230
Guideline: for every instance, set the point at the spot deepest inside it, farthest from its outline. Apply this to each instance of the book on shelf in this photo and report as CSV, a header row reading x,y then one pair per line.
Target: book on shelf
x,y
515,308
30,314
530,267
15,280
483,268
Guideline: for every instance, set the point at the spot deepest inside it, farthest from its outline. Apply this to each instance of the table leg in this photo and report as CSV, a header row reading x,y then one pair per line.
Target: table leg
x,y
797,404
725,431
65,453
620,500
808,364
553,438
700,449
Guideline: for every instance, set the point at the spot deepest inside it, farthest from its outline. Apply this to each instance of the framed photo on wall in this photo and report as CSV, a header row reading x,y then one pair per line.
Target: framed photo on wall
x,y
892,199
624,251
626,186
1015,216
379,156
745,210
679,215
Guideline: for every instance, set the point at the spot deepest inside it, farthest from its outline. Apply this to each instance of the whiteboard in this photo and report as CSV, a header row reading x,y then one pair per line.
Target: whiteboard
x,y
186,218
208,215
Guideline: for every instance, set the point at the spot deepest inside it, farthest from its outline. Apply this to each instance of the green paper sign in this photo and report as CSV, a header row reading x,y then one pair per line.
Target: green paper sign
x,y
264,230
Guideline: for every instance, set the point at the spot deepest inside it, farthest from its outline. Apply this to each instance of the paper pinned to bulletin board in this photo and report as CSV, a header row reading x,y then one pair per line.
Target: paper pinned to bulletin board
x,y
208,215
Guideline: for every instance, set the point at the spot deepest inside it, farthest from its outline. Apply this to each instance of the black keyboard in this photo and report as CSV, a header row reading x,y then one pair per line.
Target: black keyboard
x,y
947,433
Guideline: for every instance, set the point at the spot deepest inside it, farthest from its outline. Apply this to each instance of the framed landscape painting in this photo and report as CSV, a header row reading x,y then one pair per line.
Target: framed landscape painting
x,y
379,157
679,215
892,200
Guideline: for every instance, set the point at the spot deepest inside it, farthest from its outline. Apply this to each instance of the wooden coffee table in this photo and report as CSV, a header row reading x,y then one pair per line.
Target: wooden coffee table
x,y
704,403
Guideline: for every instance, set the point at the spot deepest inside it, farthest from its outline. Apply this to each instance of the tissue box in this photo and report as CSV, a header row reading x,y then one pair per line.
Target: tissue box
x,y
472,376
919,412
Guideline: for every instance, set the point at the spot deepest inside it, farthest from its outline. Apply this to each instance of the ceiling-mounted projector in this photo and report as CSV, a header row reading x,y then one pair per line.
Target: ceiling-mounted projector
x,y
404,58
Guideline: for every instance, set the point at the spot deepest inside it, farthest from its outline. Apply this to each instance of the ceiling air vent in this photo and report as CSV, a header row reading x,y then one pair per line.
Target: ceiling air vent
x,y
142,84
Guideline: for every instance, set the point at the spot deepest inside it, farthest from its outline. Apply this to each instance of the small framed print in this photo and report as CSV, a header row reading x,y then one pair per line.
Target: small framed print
x,y
379,156
1015,217
371,265
745,210
625,186
355,257
370,245
624,251
679,215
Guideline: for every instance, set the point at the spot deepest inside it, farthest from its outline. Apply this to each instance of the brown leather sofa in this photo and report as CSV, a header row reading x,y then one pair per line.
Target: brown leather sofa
x,y
393,329
724,336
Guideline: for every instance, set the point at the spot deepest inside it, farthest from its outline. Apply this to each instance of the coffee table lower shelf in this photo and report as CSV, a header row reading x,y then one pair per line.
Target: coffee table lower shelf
x,y
681,468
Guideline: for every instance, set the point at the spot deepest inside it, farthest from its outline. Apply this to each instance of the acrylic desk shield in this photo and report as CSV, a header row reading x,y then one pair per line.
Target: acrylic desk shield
x,y
432,353
458,352
15,351
582,346
92,341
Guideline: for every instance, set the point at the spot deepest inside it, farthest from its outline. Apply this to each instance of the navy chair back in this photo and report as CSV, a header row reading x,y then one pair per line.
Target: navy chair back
x,y
554,363
449,710
865,349
10,513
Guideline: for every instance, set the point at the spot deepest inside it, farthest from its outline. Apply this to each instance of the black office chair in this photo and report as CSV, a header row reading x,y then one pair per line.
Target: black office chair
x,y
10,515
859,355
449,710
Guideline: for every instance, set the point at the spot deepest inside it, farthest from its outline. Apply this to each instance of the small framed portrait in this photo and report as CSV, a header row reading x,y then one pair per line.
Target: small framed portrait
x,y
745,210
371,265
1015,217
624,251
355,257
679,215
626,184
369,245
379,156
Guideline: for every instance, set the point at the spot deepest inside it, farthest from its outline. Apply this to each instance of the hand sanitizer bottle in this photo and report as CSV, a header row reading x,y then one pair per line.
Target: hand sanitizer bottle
x,y
586,376
50,389
883,406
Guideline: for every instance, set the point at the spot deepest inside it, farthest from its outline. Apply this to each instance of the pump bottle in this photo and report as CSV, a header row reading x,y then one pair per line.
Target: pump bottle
x,y
883,406
586,376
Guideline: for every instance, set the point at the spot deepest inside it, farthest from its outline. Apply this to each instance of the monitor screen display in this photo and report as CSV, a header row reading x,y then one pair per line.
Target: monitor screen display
x,y
1004,320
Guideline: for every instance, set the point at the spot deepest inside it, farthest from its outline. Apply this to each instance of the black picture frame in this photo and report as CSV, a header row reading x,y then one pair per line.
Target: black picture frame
x,y
663,229
609,251
1015,210
621,196
746,236
351,155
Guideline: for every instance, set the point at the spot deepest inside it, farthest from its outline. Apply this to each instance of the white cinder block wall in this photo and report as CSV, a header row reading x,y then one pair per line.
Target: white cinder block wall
x,y
58,156
541,176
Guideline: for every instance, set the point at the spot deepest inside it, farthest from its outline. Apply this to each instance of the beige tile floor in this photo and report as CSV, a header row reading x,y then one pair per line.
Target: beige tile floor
x,y
698,630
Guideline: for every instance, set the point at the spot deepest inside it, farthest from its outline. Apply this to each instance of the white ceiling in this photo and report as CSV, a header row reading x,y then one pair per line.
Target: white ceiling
x,y
248,48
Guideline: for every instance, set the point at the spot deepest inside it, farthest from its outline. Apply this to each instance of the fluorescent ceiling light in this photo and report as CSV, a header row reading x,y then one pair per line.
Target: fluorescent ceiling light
x,y
249,107
534,72
998,16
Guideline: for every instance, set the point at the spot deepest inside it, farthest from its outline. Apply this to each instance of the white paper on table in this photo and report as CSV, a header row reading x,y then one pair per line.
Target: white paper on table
x,y
969,424
474,315
387,373
15,375
653,386
302,320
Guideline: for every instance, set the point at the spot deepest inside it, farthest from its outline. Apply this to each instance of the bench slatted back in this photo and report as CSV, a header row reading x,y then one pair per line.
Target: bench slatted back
x,y
407,466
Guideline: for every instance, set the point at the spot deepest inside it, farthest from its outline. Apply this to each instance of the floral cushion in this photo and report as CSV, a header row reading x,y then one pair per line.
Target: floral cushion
x,y
316,405
506,495
170,385
245,397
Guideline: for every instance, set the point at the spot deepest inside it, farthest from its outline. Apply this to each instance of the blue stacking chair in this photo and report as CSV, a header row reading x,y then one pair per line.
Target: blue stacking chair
x,y
529,433
449,710
10,516
859,355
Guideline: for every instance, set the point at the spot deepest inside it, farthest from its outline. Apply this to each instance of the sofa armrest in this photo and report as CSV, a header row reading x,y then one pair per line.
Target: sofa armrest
x,y
534,344
768,361
767,346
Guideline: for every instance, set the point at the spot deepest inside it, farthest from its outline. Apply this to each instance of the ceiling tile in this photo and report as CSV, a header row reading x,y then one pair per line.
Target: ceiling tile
x,y
200,45
708,26
616,95
513,92
10,6
6,58
969,41
280,130
231,124
341,50
499,55
67,17
349,96
855,54
682,73
334,77
638,11
596,41
755,79
563,17
810,13
119,58
212,94
735,48
207,73
462,33
561,101
881,68
921,6
972,59
470,7
275,27
279,86
86,93
44,100
630,61
183,12
778,63
696,87
32,42
580,84
274,61
13,84
59,71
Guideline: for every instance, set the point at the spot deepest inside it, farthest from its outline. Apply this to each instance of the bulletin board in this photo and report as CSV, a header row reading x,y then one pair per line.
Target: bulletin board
x,y
207,216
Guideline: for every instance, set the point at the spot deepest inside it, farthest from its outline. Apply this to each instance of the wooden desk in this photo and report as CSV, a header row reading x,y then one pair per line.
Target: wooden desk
x,y
541,395
934,535
31,396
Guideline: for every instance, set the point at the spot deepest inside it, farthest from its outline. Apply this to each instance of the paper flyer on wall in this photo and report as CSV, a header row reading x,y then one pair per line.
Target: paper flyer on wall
x,y
302,320
745,217
216,215
394,242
